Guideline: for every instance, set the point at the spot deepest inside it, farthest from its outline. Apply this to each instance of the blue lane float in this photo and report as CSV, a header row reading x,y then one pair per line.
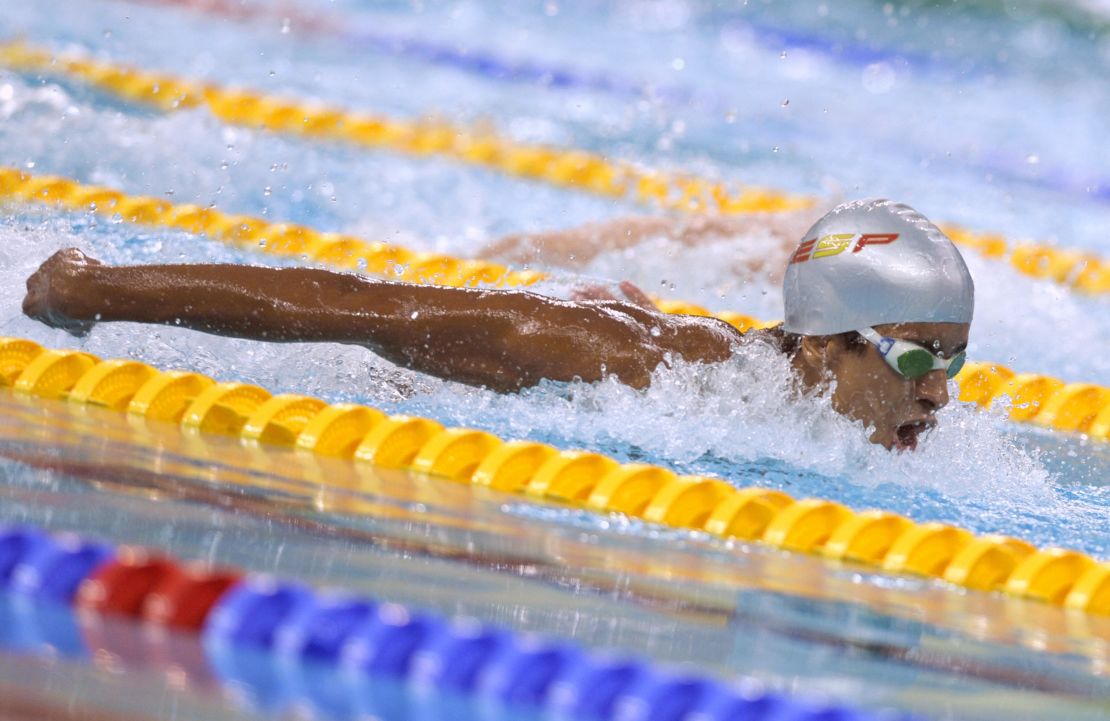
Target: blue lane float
x,y
349,656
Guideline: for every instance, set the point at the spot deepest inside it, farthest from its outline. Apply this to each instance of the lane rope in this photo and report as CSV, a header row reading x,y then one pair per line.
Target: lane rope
x,y
538,472
300,629
497,67
568,168
1036,398
317,481
502,67
577,169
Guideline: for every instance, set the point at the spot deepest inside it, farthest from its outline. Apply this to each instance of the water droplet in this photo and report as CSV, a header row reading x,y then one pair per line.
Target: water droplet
x,y
775,149
107,33
1033,159
878,78
782,55
678,63
267,191
285,25
655,332
785,102
415,314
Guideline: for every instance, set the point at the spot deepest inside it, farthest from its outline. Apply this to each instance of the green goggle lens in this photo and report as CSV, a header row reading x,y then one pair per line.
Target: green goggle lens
x,y
916,363
957,364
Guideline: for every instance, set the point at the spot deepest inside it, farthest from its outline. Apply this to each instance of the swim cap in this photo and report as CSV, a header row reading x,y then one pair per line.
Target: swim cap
x,y
871,262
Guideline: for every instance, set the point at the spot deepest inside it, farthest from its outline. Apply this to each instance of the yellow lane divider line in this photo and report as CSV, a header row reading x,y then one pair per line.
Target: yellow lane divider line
x,y
1039,399
564,167
541,473
250,233
569,168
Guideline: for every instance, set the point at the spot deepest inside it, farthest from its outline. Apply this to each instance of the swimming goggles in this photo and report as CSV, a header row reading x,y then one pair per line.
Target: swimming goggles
x,y
911,360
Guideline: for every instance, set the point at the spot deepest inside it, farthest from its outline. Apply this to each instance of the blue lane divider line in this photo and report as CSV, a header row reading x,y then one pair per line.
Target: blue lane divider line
x,y
54,570
280,641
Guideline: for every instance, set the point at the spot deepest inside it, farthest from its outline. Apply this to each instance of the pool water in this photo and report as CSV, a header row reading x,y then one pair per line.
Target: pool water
x,y
787,622
988,116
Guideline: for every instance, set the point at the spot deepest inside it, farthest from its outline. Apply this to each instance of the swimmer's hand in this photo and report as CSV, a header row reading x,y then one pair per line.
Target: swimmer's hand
x,y
54,291
632,293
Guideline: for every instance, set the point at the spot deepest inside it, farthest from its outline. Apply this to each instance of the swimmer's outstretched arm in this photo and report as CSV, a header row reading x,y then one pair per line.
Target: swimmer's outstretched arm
x,y
501,339
577,247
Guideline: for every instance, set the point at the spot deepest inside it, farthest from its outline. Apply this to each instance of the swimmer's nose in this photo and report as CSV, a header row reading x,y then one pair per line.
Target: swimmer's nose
x,y
932,389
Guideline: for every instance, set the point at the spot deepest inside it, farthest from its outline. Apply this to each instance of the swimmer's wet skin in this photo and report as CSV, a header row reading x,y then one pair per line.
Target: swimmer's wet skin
x,y
868,264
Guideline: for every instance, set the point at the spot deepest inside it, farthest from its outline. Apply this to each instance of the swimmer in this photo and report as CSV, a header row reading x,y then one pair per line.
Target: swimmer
x,y
878,308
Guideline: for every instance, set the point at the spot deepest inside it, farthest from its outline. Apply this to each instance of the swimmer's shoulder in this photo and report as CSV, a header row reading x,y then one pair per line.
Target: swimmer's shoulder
x,y
771,336
710,339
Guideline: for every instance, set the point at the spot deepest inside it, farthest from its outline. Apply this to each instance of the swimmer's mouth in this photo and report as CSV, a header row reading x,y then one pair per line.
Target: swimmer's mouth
x,y
906,435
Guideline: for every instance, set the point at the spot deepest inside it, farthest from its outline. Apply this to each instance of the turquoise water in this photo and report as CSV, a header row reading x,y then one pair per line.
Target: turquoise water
x,y
991,117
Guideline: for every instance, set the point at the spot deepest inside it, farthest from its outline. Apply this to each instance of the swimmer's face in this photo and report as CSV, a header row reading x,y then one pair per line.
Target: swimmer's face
x,y
869,390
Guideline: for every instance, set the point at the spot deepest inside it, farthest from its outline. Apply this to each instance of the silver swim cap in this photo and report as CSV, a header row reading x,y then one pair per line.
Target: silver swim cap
x,y
871,262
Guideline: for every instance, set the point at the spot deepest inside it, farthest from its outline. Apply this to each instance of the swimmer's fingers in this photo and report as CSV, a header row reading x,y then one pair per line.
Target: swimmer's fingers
x,y
592,291
636,295
598,292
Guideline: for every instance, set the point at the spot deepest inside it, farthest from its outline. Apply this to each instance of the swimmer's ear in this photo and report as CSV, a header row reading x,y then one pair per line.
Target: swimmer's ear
x,y
835,345
813,349
814,356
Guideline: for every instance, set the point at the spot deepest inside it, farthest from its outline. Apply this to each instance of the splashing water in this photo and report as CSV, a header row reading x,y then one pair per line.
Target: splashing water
x,y
742,420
